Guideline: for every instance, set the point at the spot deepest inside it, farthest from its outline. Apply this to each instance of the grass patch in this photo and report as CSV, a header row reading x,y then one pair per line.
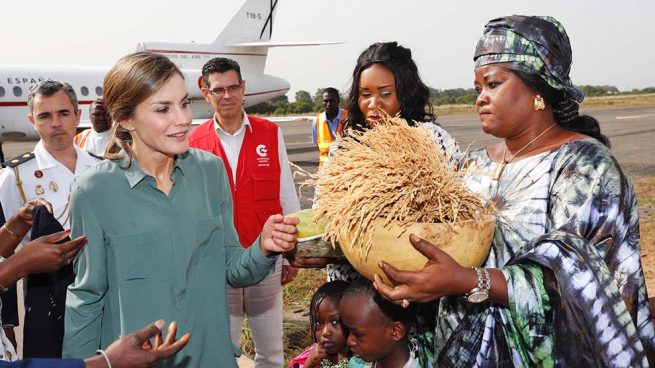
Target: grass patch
x,y
647,99
645,189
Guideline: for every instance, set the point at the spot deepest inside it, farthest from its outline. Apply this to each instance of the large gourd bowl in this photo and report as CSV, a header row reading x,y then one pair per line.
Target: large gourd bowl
x,y
468,242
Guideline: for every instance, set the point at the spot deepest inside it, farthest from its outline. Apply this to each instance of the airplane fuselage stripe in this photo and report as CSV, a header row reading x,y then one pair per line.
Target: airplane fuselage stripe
x,y
24,103
85,102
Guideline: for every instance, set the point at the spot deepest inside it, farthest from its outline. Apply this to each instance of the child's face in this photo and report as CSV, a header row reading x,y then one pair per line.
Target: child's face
x,y
328,328
370,337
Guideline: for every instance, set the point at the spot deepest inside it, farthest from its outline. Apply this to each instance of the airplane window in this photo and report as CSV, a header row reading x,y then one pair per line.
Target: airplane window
x,y
84,91
99,91
17,91
2,91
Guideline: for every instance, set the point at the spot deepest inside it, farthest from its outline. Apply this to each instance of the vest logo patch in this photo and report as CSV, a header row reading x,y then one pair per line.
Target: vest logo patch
x,y
261,150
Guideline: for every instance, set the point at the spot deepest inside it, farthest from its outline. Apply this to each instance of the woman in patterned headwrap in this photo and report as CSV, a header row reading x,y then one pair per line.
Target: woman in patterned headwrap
x,y
563,283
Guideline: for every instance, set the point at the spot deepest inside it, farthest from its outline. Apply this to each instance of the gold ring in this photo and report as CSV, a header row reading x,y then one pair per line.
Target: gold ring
x,y
404,303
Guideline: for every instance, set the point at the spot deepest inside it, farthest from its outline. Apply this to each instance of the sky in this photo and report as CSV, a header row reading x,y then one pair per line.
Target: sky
x,y
612,40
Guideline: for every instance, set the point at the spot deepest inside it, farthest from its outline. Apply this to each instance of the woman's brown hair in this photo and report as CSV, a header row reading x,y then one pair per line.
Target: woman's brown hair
x,y
129,82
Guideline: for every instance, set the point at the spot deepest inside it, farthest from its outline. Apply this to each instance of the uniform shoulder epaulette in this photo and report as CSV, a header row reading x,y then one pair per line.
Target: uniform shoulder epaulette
x,y
19,159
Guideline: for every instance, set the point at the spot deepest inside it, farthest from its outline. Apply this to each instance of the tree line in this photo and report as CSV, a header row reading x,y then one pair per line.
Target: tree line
x,y
305,103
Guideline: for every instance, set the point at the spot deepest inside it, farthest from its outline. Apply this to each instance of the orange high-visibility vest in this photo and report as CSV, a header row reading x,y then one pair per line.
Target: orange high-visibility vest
x,y
324,138
81,138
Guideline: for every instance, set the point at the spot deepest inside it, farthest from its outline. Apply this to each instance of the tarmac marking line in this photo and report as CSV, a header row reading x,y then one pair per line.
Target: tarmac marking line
x,y
633,117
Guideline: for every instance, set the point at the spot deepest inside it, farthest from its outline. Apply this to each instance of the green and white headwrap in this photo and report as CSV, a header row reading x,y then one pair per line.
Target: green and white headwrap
x,y
534,45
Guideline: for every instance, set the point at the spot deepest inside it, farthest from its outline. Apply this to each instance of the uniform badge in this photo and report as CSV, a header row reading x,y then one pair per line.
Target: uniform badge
x,y
38,174
39,190
53,186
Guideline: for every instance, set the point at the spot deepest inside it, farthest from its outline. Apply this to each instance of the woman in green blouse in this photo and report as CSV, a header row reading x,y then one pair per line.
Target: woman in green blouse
x,y
158,219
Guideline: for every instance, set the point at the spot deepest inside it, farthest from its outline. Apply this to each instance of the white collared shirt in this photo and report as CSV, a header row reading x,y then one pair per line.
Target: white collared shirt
x,y
95,142
232,146
42,177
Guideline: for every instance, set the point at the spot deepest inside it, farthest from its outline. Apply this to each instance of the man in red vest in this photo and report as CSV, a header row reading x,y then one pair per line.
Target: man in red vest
x,y
257,165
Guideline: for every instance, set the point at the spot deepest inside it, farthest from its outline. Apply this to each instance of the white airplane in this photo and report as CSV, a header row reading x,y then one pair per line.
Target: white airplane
x,y
246,39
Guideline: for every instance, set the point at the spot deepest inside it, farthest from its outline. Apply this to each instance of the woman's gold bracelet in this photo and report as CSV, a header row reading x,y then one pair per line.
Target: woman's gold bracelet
x,y
13,233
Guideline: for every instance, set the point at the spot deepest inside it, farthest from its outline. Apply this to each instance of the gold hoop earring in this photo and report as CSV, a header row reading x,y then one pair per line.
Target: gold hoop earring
x,y
538,104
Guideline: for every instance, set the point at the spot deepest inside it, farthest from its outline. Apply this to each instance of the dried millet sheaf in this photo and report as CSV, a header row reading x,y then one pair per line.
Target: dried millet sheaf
x,y
391,171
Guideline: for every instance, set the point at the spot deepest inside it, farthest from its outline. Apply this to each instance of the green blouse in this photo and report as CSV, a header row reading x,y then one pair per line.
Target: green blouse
x,y
155,256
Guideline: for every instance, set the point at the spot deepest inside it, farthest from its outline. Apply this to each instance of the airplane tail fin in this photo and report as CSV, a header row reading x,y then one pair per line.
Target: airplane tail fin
x,y
253,22
246,38
252,27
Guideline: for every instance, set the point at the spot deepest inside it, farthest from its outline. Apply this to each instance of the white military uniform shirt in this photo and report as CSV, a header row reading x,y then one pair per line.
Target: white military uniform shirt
x,y
42,177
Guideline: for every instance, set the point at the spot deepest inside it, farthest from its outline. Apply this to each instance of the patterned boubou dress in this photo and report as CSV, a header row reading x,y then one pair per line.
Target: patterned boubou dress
x,y
567,242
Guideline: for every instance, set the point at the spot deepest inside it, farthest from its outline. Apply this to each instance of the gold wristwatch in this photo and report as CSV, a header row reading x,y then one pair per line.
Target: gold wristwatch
x,y
480,293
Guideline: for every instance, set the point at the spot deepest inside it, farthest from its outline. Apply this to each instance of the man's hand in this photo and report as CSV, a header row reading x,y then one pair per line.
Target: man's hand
x,y
136,351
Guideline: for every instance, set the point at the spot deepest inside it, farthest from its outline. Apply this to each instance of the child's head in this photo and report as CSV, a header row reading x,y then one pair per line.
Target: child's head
x,y
378,328
325,318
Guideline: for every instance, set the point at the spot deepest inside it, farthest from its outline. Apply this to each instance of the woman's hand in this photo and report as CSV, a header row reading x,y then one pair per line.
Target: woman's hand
x,y
440,276
21,221
40,255
278,234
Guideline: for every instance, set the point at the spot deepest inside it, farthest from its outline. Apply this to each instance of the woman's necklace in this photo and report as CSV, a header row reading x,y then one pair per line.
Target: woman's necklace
x,y
501,166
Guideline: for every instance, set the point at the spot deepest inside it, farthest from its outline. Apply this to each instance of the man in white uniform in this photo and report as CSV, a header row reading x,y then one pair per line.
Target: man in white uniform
x,y
48,171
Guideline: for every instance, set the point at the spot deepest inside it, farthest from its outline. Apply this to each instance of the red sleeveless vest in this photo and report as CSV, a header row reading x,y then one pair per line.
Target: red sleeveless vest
x,y
257,193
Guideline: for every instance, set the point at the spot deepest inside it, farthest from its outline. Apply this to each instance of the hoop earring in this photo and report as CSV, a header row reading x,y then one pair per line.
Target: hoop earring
x,y
538,104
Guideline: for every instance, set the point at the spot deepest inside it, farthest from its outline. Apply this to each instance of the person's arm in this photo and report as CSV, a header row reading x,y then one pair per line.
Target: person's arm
x,y
441,276
314,124
11,201
243,267
39,256
85,299
17,226
249,266
288,196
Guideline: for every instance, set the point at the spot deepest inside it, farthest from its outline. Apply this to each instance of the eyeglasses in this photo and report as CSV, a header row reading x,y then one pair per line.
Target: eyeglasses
x,y
220,91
